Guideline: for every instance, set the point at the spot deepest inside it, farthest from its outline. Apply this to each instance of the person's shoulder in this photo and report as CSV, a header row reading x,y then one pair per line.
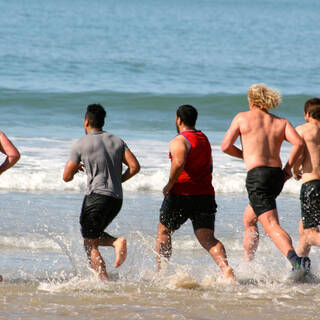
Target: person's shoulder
x,y
77,143
111,135
280,119
108,136
177,140
243,115
300,128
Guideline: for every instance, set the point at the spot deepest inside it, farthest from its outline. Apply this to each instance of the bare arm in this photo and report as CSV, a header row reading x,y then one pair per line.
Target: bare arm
x,y
12,153
131,161
230,138
292,136
297,167
71,169
179,152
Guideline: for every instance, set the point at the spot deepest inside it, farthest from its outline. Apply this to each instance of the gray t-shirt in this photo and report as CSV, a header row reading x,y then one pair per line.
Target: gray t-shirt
x,y
102,155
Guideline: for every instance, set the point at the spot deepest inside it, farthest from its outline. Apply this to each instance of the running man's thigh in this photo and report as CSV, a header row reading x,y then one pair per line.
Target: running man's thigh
x,y
310,204
203,212
264,184
269,219
174,211
97,213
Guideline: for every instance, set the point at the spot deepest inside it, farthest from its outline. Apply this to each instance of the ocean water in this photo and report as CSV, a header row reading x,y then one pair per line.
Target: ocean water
x,y
141,60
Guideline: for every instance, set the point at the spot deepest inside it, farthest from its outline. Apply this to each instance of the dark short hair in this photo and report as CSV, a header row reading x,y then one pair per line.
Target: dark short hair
x,y
188,115
312,106
96,114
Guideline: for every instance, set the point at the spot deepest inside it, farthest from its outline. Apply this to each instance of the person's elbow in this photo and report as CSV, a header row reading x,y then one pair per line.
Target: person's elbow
x,y
14,158
135,168
67,177
225,147
299,145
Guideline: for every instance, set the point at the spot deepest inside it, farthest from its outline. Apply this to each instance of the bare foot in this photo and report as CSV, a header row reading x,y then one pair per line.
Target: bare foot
x,y
120,246
1,278
103,277
229,274
248,256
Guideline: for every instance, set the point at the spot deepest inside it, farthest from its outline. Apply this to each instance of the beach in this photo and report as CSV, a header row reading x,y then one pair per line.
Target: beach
x,y
141,60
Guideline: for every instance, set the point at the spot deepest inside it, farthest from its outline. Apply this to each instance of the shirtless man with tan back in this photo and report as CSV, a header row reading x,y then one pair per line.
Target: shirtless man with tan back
x,y
308,168
262,135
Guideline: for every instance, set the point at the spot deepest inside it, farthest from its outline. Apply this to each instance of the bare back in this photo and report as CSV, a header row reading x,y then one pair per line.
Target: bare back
x,y
262,135
310,132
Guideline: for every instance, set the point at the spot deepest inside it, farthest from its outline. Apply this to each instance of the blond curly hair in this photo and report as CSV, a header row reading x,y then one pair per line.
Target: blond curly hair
x,y
263,97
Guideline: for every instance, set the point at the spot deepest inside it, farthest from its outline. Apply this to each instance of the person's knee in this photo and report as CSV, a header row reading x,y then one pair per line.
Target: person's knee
x,y
90,244
206,238
310,234
163,230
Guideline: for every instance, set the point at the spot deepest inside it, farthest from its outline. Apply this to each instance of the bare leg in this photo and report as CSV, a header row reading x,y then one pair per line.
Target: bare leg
x,y
96,261
303,247
163,244
216,250
251,233
119,244
270,222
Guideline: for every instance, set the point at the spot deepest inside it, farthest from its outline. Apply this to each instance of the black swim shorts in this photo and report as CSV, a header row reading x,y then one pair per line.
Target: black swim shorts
x,y
310,204
264,184
177,209
97,212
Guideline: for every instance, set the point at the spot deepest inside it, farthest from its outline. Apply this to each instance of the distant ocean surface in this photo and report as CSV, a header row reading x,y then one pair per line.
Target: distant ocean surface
x,y
141,60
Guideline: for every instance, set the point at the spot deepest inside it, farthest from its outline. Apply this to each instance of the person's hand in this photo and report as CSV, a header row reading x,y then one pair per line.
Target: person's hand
x,y
166,189
287,173
297,173
80,167
297,176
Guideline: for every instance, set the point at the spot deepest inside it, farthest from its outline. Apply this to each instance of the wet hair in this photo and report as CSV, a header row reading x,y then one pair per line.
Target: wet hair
x,y
263,97
95,114
188,115
312,106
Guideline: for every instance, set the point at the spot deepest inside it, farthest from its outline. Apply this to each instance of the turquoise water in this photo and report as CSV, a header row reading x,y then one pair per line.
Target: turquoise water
x,y
200,47
142,59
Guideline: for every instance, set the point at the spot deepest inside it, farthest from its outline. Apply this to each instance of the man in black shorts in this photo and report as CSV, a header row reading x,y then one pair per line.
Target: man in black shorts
x,y
102,155
308,168
189,193
262,135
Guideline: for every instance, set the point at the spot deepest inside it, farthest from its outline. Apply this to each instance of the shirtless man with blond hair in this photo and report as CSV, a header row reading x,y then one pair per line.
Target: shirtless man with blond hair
x,y
308,168
262,135
12,156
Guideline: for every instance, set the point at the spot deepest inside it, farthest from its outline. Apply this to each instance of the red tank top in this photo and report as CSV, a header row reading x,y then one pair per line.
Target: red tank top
x,y
196,177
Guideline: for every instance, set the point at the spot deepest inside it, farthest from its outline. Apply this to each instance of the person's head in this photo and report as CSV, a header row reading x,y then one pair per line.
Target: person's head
x,y
94,117
263,97
186,116
312,108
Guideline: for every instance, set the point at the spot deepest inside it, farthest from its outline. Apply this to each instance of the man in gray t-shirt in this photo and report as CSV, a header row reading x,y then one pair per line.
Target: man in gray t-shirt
x,y
102,155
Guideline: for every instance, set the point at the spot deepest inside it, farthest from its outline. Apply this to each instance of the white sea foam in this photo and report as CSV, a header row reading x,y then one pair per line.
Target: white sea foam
x,y
41,167
31,241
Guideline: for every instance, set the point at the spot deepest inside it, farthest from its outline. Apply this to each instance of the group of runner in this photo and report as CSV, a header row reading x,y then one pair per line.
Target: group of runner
x,y
189,193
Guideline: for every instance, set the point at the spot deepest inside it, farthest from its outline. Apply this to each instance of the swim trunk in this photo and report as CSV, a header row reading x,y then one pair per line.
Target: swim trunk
x,y
310,204
177,209
97,213
264,184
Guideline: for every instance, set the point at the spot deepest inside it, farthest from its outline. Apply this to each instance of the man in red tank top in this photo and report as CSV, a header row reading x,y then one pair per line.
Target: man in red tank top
x,y
189,193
